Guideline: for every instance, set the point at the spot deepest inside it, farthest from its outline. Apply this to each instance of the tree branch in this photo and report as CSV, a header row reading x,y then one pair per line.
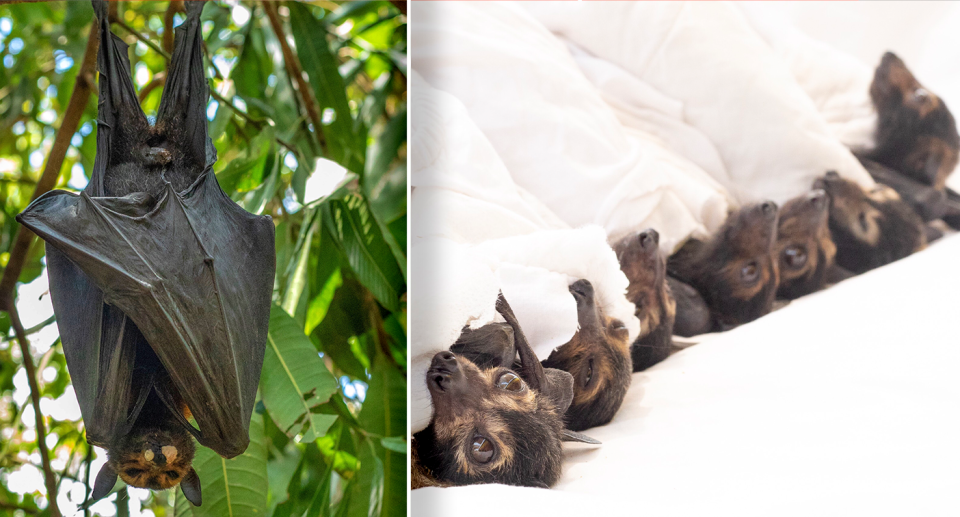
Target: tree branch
x,y
11,506
295,71
51,172
50,479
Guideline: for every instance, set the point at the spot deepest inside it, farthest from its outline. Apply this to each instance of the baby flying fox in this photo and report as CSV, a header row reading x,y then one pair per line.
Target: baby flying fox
x,y
916,133
646,269
872,228
598,357
804,249
494,424
735,271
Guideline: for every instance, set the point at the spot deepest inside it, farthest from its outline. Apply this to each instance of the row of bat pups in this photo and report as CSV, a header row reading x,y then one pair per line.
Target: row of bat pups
x,y
500,415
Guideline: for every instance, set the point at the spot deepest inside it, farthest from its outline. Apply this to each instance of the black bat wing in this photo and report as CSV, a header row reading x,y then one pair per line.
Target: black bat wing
x,y
191,272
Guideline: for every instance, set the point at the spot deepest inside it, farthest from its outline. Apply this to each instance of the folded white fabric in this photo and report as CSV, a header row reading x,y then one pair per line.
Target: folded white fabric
x,y
553,131
733,87
475,233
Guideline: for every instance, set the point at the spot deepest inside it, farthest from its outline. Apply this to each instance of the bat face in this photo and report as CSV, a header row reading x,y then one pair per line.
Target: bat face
x,y
916,133
640,260
735,271
804,248
153,458
489,426
870,229
598,357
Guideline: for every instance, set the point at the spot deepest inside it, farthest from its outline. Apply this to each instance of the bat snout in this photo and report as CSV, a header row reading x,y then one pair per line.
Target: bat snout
x,y
445,372
582,290
818,198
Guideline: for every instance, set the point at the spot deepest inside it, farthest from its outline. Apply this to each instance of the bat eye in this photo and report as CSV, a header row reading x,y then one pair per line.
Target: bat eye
x,y
750,272
172,474
795,257
589,377
132,473
863,221
482,450
510,381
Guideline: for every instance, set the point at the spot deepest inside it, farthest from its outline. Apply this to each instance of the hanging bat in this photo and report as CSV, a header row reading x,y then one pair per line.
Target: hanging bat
x,y
161,284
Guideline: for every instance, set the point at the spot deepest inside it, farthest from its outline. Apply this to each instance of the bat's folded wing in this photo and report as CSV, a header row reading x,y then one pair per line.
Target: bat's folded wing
x,y
195,273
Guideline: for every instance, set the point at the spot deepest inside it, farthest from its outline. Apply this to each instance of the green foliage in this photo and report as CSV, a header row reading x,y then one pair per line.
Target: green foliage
x,y
328,435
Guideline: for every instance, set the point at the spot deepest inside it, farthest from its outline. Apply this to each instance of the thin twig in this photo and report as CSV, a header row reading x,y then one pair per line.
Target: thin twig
x,y
49,477
11,506
295,71
143,39
51,171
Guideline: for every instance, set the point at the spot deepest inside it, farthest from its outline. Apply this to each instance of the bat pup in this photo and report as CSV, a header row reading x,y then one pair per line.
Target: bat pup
x,y
493,423
646,269
598,357
916,134
804,250
734,274
869,228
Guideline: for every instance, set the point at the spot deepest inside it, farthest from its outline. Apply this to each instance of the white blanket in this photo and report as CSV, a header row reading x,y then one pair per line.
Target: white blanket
x,y
733,88
552,129
475,233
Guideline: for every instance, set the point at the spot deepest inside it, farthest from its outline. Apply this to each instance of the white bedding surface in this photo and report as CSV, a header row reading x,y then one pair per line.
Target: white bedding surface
x,y
845,402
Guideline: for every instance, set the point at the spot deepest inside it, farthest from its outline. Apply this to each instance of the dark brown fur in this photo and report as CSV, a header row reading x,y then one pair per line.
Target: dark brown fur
x,y
143,157
805,252
598,357
735,271
646,269
872,228
916,133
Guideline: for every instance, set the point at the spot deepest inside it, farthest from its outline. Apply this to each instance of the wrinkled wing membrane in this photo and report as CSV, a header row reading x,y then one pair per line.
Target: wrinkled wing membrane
x,y
194,273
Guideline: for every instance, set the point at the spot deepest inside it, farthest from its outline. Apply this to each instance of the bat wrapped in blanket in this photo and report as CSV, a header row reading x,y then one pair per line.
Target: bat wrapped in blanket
x,y
161,284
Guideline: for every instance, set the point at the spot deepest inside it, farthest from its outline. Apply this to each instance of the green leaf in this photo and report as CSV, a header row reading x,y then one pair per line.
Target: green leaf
x,y
384,413
236,487
395,444
353,226
295,381
343,321
367,499
321,67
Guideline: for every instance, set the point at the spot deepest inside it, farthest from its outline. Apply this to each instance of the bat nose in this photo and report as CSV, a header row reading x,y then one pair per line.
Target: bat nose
x,y
444,371
768,208
582,290
649,239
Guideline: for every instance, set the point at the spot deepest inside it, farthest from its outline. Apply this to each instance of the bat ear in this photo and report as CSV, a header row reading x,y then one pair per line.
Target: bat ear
x,y
489,346
190,486
558,387
106,479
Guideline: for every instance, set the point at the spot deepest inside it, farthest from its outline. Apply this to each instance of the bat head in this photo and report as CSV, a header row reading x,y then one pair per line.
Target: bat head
x,y
916,133
598,357
646,269
154,458
491,426
869,228
735,271
804,249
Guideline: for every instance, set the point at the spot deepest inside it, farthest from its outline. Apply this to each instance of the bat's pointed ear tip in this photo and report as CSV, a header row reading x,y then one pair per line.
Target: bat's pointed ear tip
x,y
190,486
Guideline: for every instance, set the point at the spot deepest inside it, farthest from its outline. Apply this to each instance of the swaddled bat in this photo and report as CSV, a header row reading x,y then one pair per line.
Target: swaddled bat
x,y
735,271
646,269
916,134
804,249
494,424
161,284
872,228
598,357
